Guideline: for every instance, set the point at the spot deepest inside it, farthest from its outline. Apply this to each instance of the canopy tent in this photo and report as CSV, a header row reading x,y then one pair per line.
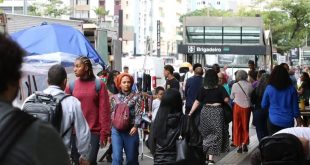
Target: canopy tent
x,y
50,44
55,38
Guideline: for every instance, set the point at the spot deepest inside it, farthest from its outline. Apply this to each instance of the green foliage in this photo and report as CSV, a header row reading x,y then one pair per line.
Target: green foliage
x,y
208,12
34,9
101,13
54,8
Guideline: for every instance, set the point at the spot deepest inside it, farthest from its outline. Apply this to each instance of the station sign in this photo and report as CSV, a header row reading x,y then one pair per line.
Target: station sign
x,y
222,49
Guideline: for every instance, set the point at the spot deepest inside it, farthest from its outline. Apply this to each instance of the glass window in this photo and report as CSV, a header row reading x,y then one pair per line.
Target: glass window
x,y
250,35
195,34
82,2
213,35
232,35
232,60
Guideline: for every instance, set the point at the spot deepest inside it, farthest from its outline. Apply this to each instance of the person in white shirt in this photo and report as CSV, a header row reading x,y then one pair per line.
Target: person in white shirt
x,y
241,94
188,75
72,116
302,133
159,92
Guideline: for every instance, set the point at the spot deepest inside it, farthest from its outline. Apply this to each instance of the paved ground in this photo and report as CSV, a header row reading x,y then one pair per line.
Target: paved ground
x,y
226,158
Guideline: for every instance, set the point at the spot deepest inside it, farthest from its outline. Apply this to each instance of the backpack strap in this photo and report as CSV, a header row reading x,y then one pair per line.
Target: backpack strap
x,y
58,115
118,100
98,85
65,133
130,97
71,86
97,81
243,91
12,129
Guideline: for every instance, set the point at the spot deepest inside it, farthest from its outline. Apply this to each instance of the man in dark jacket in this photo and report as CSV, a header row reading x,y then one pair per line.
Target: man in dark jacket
x,y
193,86
36,144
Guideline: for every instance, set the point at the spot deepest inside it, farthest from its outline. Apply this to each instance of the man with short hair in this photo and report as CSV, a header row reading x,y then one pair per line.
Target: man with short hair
x,y
251,65
126,69
216,68
72,116
37,143
171,81
193,85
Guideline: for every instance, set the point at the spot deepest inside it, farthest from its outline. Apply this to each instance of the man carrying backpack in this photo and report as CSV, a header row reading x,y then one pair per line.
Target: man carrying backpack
x,y
72,116
24,140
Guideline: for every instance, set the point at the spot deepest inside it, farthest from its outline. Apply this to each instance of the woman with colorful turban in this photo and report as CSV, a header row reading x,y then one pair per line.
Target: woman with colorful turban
x,y
126,139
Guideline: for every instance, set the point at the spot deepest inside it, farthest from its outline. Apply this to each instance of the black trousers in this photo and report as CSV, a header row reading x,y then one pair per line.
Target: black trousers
x,y
94,142
273,128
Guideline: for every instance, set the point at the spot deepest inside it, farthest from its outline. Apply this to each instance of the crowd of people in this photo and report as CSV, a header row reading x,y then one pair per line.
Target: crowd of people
x,y
109,110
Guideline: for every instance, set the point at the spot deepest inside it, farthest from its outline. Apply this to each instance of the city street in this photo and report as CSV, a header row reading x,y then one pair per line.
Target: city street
x,y
225,158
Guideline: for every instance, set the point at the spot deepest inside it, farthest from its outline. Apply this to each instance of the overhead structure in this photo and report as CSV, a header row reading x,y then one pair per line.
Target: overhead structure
x,y
228,41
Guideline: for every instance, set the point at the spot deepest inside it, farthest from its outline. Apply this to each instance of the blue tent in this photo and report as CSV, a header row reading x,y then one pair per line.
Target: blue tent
x,y
55,39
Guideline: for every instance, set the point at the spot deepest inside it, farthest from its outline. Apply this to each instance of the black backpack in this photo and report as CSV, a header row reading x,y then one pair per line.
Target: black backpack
x,y
281,149
46,108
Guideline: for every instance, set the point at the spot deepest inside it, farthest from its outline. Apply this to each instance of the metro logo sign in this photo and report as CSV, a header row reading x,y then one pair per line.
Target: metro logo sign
x,y
191,49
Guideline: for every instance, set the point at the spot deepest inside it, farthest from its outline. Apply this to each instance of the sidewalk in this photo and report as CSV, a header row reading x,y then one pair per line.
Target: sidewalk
x,y
232,157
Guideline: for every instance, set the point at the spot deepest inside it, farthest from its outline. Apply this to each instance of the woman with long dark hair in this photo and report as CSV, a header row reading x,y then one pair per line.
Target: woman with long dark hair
x,y
93,95
212,124
260,116
111,83
165,129
282,99
112,90
304,89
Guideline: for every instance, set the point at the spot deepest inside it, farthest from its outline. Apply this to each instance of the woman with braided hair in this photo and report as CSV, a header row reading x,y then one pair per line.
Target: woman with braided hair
x,y
93,95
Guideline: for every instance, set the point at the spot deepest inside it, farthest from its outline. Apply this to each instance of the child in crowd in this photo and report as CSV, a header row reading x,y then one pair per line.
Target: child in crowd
x,y
159,92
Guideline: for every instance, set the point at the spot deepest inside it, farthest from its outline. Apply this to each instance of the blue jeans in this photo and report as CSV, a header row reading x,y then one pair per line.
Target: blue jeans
x,y
122,140
260,118
94,142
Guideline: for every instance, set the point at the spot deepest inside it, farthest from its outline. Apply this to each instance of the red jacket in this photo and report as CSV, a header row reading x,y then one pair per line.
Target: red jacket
x,y
95,106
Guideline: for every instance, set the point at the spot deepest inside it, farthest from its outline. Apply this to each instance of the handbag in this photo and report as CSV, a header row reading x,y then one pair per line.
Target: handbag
x,y
181,144
228,113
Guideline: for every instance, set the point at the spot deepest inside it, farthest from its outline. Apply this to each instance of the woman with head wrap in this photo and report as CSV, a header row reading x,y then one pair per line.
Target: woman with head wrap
x,y
127,140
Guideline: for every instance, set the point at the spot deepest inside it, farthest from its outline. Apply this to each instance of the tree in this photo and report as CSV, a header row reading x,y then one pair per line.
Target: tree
x,y
54,8
209,11
101,13
34,9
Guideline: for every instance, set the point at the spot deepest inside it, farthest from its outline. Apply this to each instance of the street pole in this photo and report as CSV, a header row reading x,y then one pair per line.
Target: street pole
x,y
13,7
25,7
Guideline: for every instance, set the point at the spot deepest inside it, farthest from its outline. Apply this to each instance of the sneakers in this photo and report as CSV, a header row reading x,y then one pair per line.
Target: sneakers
x,y
109,158
210,162
232,145
239,150
245,148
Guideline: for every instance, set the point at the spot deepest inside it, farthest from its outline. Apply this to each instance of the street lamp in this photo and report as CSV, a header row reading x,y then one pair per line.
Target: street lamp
x,y
25,11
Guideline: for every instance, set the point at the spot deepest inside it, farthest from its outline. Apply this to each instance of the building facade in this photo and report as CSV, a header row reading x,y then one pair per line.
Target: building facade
x,y
141,17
